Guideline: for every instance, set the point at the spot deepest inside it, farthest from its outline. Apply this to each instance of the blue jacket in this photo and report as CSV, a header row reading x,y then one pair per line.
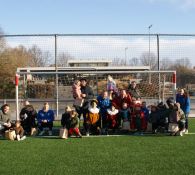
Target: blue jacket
x,y
184,103
146,113
49,116
103,104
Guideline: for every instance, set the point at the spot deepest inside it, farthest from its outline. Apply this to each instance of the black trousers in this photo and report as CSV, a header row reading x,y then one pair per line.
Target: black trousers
x,y
28,123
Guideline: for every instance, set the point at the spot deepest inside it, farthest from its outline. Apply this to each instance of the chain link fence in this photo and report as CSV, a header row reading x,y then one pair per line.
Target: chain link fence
x,y
158,51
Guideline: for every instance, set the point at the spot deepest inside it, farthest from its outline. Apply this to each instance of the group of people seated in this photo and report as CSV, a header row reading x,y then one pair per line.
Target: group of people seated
x,y
29,121
113,111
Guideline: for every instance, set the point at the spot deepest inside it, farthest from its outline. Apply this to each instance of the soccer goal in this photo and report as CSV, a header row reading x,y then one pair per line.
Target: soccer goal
x,y
55,85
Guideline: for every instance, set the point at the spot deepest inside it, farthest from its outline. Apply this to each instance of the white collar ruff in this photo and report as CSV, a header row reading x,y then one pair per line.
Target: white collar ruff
x,y
112,112
93,110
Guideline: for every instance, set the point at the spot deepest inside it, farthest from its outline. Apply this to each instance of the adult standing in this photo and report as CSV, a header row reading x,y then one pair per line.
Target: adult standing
x,y
123,97
87,94
45,119
27,116
182,97
134,91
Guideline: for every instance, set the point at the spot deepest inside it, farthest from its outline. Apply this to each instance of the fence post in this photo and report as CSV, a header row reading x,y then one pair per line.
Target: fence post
x,y
174,84
158,59
17,104
56,68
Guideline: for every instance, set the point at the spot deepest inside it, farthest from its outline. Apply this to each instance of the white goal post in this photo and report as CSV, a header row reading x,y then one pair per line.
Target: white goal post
x,y
55,86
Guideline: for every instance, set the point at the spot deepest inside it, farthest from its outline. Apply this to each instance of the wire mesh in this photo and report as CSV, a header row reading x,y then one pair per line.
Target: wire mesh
x,y
42,87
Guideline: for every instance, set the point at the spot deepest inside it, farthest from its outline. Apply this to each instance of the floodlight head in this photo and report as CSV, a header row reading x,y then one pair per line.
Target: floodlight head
x,y
150,26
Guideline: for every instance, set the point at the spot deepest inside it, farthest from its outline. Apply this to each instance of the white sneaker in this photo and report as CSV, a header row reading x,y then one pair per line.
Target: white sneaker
x,y
23,138
87,134
50,133
41,133
186,131
181,133
18,137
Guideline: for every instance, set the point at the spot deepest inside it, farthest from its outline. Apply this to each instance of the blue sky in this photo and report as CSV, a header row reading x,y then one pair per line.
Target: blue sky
x,y
97,16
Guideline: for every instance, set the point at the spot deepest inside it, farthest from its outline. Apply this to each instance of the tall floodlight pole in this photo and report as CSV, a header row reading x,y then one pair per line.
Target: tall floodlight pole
x,y
126,55
56,69
149,27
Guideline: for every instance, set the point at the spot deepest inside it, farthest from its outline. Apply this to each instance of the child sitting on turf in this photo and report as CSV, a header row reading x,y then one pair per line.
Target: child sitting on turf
x,y
112,118
137,116
19,131
65,120
145,110
153,118
124,114
74,125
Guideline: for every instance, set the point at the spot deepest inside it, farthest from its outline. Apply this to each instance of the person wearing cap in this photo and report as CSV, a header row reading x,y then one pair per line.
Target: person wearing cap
x,y
45,119
93,119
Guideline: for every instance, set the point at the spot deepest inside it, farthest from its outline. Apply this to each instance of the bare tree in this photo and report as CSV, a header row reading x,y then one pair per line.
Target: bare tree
x,y
147,59
63,59
184,62
134,61
37,57
2,41
166,64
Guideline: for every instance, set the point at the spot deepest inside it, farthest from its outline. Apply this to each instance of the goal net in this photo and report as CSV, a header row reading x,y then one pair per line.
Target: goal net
x,y
56,87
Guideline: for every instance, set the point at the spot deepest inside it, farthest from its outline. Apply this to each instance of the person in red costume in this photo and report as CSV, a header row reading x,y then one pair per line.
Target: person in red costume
x,y
124,97
112,118
137,117
118,101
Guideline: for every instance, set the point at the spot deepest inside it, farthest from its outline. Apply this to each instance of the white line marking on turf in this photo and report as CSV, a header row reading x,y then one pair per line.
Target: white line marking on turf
x,y
94,136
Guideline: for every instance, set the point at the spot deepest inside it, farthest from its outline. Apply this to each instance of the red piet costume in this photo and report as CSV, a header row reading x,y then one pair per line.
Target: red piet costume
x,y
137,118
112,118
118,101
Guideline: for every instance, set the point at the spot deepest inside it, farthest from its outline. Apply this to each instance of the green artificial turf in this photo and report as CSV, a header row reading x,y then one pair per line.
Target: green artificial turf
x,y
148,154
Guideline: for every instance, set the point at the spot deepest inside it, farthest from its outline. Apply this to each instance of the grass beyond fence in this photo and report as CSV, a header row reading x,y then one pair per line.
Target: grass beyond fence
x,y
131,155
